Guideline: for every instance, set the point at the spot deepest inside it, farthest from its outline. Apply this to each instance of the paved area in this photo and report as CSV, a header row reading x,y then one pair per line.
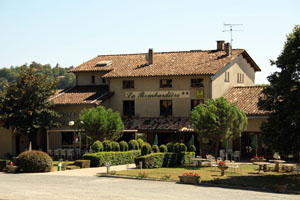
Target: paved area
x,y
69,185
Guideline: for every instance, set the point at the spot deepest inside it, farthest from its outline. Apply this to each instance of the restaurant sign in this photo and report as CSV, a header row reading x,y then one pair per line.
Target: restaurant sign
x,y
157,94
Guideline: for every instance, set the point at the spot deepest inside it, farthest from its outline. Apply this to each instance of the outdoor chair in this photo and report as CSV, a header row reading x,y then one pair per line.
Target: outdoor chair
x,y
70,154
276,156
222,154
63,154
236,155
56,154
50,152
192,163
213,163
234,166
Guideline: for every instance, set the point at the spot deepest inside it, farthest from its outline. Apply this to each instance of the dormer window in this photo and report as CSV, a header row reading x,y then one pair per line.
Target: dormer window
x,y
103,63
165,83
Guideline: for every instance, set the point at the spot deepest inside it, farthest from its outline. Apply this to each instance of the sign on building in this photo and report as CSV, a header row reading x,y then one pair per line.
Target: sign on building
x,y
157,94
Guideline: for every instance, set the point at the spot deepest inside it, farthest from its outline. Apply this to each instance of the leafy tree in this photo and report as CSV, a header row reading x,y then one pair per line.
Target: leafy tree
x,y
218,120
281,132
101,124
24,105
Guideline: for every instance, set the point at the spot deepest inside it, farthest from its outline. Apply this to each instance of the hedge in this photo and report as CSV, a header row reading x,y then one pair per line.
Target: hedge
x,y
115,158
158,160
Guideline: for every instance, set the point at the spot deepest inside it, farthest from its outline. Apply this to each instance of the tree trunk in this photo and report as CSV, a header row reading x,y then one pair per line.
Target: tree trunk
x,y
217,146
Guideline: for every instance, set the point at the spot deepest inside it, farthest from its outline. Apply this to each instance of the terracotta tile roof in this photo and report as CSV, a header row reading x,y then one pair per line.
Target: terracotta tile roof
x,y
81,95
246,98
158,124
165,63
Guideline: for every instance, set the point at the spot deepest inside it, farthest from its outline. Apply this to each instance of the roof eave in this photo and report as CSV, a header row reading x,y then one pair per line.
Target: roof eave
x,y
251,61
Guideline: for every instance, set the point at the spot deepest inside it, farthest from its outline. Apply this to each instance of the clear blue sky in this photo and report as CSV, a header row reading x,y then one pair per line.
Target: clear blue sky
x,y
70,32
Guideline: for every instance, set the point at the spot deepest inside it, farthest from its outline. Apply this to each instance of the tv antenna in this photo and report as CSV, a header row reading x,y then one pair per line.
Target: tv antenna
x,y
230,29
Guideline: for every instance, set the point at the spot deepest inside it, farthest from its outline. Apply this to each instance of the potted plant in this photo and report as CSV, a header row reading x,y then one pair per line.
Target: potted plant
x,y
222,166
258,158
11,168
189,178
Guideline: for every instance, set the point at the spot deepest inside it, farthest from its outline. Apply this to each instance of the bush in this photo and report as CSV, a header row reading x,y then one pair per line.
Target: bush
x,y
133,145
177,147
97,146
155,149
115,158
192,148
171,147
182,147
140,142
146,149
154,160
107,145
163,148
35,161
123,146
115,146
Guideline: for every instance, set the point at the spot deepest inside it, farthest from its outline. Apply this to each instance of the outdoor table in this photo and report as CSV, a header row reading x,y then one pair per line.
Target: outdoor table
x,y
199,160
262,165
277,162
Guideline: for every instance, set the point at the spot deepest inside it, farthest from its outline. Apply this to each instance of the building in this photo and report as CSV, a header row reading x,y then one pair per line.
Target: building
x,y
155,92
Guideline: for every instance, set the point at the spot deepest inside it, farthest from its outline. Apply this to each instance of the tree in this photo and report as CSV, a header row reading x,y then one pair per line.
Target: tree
x,y
24,105
101,124
281,132
218,120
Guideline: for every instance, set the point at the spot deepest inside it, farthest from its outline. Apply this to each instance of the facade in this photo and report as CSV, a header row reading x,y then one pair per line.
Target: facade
x,y
155,92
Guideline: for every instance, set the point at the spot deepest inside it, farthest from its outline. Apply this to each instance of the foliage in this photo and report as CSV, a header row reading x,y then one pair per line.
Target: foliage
x,y
140,142
146,149
24,104
190,174
133,145
115,146
281,132
97,146
155,149
115,158
142,175
171,147
107,146
182,147
191,141
177,147
35,161
218,120
163,148
155,141
99,123
192,148
166,177
123,146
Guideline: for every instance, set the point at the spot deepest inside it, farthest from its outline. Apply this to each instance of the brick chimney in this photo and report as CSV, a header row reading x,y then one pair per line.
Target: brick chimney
x,y
220,45
150,56
228,49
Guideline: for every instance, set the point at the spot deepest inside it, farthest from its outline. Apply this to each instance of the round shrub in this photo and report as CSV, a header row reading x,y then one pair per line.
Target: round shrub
x,y
35,161
133,145
155,149
141,143
177,147
107,145
123,146
171,147
192,148
115,146
163,148
97,146
146,149
182,147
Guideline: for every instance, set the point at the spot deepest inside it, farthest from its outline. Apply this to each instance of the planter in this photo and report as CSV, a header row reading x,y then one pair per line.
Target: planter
x,y
222,168
282,188
258,160
12,168
189,179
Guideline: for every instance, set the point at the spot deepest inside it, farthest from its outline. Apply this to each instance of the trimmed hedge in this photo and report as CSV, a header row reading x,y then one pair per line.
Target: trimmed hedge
x,y
192,148
133,145
171,147
107,145
155,149
141,143
97,146
163,148
35,161
115,146
182,147
146,149
123,146
115,158
158,160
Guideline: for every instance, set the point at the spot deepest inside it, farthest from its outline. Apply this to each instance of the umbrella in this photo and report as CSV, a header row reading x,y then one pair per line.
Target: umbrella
x,y
191,142
155,142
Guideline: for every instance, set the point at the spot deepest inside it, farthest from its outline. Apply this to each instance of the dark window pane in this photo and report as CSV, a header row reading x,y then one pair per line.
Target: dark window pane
x,y
166,107
165,83
93,79
128,84
196,102
128,108
67,138
197,82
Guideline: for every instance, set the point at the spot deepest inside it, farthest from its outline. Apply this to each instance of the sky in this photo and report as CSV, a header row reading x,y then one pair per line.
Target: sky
x,y
70,32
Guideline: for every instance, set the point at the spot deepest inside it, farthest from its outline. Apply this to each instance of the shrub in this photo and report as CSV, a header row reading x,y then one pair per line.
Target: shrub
x,y
171,147
140,142
97,146
133,145
154,160
155,149
115,158
146,149
107,145
163,148
192,148
182,147
177,147
35,161
123,146
115,146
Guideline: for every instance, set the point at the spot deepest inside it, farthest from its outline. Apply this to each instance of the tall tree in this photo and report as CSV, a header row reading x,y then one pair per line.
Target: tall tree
x,y
281,132
24,105
218,120
101,124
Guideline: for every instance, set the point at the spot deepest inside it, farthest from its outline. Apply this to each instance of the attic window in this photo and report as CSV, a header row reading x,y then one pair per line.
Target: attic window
x,y
103,63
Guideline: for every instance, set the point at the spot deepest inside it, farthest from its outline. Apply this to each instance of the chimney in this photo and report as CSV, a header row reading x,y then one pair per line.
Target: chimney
x,y
220,45
228,49
150,56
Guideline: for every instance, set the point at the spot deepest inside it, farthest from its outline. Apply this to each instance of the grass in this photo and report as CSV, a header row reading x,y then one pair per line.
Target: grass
x,y
245,177
65,163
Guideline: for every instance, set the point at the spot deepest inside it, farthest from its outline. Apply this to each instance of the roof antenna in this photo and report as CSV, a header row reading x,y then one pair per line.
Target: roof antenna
x,y
230,29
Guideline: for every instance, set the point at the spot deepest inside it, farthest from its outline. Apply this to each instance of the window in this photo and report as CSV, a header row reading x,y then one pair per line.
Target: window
x,y
128,108
197,82
226,76
128,84
67,138
93,79
103,80
165,83
166,107
240,78
196,102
